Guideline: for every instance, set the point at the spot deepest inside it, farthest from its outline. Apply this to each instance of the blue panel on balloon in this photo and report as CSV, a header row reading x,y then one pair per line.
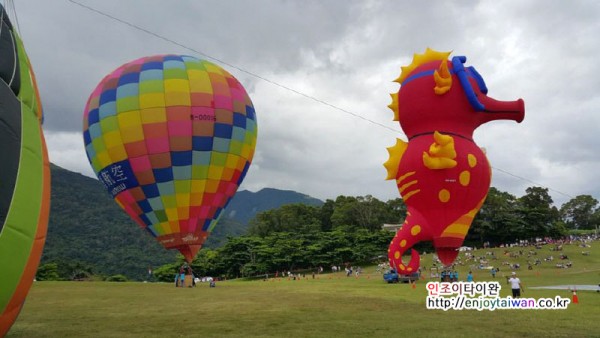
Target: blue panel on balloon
x,y
202,143
145,206
239,120
250,112
108,95
150,190
223,130
129,78
152,65
93,117
181,158
163,175
118,177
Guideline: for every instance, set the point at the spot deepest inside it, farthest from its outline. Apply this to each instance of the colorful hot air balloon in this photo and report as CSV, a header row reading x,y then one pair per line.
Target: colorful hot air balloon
x,y
24,176
171,137
441,174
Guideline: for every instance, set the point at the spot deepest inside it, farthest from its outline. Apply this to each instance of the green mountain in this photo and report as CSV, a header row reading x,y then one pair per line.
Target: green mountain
x,y
89,231
245,204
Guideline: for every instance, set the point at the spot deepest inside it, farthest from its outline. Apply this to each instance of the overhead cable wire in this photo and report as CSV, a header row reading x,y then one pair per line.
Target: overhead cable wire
x,y
127,23
530,181
234,66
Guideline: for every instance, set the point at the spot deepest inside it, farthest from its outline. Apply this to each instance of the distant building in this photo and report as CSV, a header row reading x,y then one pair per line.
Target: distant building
x,y
391,227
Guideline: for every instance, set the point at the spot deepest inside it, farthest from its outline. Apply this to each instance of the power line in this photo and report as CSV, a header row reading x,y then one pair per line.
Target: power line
x,y
234,66
275,83
530,181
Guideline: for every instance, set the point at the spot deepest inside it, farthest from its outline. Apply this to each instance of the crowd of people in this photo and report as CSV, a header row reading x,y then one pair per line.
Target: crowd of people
x,y
510,259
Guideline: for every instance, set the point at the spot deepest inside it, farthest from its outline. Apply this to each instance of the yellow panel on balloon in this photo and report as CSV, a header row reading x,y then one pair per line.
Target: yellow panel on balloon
x,y
215,173
117,153
172,214
112,139
241,164
183,200
247,151
231,161
197,74
154,115
129,119
152,100
178,99
201,86
198,186
213,69
104,159
176,85
132,134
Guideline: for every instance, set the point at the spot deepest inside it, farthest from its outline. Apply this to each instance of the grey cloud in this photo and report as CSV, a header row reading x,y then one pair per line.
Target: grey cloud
x,y
346,54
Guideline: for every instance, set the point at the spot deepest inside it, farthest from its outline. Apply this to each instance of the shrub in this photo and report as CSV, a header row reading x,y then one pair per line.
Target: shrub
x,y
116,278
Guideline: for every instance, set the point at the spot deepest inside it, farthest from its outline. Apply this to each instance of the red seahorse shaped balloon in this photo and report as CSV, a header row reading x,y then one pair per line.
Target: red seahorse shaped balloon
x,y
442,175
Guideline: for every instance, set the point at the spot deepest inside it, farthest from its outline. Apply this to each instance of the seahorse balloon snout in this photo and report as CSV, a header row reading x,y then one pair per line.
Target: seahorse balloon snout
x,y
503,110
441,174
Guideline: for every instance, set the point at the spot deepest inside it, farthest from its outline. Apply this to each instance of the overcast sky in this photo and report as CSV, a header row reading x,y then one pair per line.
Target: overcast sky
x,y
345,54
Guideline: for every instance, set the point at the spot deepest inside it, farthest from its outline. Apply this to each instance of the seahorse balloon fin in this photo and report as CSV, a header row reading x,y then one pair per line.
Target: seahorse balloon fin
x,y
395,152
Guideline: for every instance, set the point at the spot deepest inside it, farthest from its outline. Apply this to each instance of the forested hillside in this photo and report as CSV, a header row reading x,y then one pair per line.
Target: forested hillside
x,y
89,234
275,230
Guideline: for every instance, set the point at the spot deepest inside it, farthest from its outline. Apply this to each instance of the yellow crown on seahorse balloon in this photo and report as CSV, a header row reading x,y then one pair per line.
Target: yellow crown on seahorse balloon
x,y
441,76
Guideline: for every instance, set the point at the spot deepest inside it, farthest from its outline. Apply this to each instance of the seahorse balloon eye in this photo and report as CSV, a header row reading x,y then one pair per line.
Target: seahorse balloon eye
x,y
441,174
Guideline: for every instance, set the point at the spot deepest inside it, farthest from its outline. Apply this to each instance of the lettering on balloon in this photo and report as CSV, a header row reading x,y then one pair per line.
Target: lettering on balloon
x,y
117,173
118,189
118,177
106,179
189,238
202,117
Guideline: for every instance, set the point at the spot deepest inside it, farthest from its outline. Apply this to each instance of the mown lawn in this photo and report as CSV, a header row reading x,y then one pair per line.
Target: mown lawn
x,y
331,305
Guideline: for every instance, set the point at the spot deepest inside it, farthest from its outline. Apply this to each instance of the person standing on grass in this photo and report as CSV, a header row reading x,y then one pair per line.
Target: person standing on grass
x,y
515,285
182,275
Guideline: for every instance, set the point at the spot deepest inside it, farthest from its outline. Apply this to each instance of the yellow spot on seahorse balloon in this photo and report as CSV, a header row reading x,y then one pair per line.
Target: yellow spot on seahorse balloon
x,y
444,195
415,230
403,243
397,254
464,178
472,160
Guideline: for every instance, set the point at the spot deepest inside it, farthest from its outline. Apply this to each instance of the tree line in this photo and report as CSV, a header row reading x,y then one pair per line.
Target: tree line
x,y
348,230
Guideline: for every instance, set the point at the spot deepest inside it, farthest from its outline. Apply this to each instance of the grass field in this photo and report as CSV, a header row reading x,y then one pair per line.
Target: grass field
x,y
331,306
